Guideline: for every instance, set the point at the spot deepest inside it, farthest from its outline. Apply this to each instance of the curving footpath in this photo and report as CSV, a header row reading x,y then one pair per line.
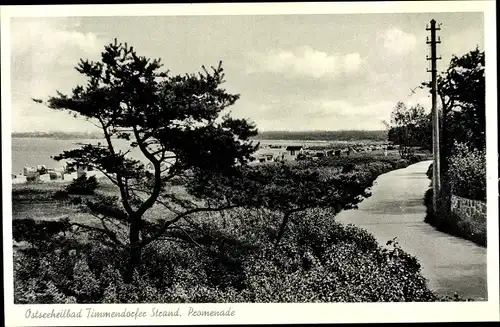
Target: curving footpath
x,y
396,209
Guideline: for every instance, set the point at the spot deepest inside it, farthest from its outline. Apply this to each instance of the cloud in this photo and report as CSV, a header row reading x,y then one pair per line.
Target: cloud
x,y
304,61
321,114
44,40
43,54
398,42
352,62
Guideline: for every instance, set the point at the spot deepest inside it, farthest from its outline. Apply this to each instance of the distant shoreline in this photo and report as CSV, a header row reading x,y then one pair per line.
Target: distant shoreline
x,y
345,135
57,135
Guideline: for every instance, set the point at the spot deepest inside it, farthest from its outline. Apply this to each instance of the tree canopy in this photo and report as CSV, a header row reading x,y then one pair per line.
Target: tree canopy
x,y
409,127
177,122
462,91
286,188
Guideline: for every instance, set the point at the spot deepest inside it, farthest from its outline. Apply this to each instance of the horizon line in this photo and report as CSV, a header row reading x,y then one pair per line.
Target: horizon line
x,y
261,131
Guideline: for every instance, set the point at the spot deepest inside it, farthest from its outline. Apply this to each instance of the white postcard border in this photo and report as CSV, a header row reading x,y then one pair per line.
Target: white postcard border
x,y
265,313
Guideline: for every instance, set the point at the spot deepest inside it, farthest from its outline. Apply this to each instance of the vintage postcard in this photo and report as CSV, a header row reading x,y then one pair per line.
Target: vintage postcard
x,y
171,164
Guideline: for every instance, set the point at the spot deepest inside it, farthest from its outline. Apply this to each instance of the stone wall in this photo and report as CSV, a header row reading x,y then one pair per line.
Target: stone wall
x,y
468,209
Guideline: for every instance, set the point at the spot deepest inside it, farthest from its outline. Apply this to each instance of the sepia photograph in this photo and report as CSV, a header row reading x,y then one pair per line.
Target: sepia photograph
x,y
169,165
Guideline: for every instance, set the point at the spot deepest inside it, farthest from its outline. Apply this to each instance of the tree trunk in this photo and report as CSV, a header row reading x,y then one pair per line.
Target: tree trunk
x,y
281,231
134,250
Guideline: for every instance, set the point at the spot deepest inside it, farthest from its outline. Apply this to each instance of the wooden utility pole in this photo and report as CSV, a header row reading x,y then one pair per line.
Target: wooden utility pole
x,y
436,167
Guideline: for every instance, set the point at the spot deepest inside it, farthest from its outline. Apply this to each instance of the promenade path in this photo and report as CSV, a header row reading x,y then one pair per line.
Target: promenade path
x,y
396,209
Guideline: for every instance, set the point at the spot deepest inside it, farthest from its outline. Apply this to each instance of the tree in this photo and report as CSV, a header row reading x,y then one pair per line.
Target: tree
x,y
176,123
409,127
461,89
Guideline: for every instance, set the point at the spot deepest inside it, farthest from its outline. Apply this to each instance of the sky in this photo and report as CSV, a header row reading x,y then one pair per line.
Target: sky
x,y
293,72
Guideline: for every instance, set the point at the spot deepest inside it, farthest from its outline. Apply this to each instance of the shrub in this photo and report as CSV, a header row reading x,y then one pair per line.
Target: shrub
x,y
228,256
414,158
323,261
428,205
318,260
83,185
61,195
467,173
430,171
36,232
33,178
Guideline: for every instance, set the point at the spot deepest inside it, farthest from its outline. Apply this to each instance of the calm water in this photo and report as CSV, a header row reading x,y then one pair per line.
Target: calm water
x,y
38,151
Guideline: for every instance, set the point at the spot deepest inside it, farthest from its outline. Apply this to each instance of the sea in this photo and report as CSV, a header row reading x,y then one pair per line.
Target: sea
x,y
31,151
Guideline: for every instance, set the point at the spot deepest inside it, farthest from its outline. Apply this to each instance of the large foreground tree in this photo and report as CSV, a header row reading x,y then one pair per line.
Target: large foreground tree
x,y
175,122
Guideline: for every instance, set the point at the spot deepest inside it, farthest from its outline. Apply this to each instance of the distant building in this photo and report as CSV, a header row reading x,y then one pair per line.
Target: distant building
x,y
293,149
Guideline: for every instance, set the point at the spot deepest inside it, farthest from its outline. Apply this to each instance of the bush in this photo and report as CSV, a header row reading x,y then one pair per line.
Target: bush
x,y
414,158
430,171
231,256
34,232
318,260
467,173
33,178
324,261
60,195
83,185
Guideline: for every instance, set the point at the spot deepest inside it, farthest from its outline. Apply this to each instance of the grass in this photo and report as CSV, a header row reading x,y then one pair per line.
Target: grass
x,y
37,201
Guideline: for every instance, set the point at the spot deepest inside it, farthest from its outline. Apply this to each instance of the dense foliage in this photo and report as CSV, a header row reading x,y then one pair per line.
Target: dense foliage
x,y
230,259
467,172
227,256
332,183
83,185
410,127
177,123
461,89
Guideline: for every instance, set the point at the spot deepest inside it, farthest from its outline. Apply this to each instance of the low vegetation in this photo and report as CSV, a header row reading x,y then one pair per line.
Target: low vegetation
x,y
318,261
223,256
467,173
83,185
466,178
